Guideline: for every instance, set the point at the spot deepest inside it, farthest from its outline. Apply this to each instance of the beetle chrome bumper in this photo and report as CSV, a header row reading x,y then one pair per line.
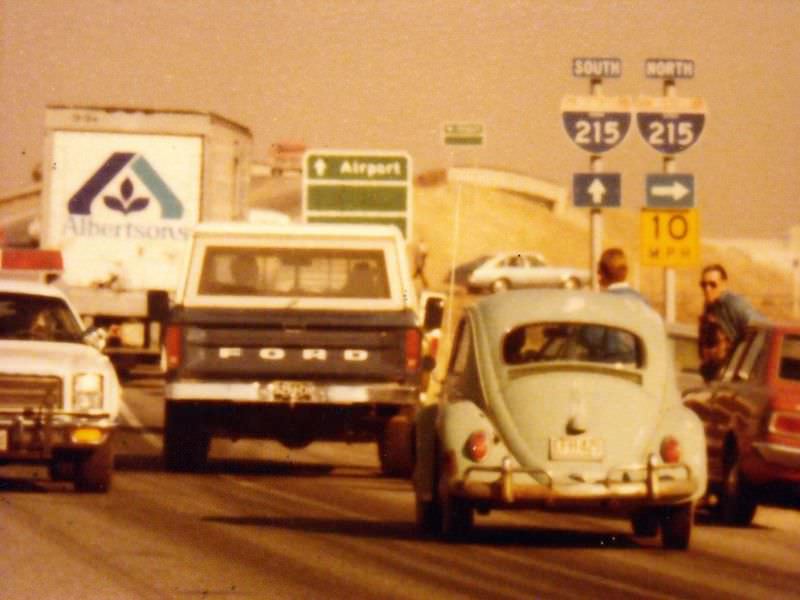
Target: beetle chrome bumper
x,y
653,483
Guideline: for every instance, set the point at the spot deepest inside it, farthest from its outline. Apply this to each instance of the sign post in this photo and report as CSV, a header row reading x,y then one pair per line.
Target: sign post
x,y
358,186
596,123
670,124
469,134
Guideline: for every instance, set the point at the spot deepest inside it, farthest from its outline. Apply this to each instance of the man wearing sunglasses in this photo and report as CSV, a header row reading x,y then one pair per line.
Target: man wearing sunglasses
x,y
723,322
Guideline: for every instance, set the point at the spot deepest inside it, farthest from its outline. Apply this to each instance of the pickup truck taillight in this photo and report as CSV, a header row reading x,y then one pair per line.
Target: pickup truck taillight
x,y
413,350
173,344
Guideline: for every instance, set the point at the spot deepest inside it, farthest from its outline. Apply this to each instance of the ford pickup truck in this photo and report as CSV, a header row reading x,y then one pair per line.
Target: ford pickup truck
x,y
295,333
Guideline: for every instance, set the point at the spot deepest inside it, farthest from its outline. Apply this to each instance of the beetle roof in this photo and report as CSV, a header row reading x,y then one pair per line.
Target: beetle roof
x,y
502,312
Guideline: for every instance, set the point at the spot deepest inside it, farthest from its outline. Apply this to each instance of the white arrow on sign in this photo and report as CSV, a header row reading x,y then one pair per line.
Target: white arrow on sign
x,y
597,190
320,166
676,191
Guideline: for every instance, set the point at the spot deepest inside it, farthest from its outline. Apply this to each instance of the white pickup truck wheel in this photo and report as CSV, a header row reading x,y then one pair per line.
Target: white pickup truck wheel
x,y
93,471
396,447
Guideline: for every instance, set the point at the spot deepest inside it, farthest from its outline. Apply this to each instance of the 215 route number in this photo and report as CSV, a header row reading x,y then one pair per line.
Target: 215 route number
x,y
670,133
596,132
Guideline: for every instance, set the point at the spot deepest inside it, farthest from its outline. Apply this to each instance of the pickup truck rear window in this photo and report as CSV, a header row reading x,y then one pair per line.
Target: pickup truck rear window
x,y
294,272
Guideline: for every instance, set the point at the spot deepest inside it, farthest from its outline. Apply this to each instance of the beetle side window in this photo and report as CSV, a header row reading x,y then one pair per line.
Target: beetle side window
x,y
462,376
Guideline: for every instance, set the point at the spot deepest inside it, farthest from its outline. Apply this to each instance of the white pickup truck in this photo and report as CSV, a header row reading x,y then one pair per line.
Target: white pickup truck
x,y
59,395
296,333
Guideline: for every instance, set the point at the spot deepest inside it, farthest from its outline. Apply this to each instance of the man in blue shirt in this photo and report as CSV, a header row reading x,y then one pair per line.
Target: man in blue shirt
x,y
723,322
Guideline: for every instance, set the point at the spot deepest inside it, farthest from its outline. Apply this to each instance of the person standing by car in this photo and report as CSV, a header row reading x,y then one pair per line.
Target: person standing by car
x,y
612,271
723,322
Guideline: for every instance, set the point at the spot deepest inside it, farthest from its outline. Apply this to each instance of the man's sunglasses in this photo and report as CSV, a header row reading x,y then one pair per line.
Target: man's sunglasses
x,y
708,284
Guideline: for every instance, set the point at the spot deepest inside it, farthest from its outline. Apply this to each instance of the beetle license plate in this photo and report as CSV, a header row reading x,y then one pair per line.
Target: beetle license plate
x,y
576,448
291,391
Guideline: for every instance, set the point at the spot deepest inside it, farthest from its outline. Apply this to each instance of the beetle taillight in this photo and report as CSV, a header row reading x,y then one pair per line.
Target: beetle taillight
x,y
477,446
413,350
173,344
670,450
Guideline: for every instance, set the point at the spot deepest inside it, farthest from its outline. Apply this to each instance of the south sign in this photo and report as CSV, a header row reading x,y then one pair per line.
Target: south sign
x,y
596,123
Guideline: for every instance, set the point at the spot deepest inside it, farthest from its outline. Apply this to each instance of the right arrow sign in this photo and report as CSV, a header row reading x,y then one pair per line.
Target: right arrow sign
x,y
670,190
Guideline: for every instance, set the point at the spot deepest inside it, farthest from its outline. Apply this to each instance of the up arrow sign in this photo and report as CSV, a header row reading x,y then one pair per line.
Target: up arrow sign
x,y
597,190
670,190
320,167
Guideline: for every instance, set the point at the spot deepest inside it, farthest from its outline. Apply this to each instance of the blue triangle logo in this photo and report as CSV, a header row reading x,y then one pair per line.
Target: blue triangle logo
x,y
127,201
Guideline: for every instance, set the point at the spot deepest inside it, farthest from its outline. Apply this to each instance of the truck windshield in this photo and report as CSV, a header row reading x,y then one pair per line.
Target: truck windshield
x,y
42,318
294,272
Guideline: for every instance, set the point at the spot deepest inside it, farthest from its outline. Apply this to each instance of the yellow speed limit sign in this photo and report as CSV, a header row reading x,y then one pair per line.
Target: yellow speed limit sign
x,y
670,238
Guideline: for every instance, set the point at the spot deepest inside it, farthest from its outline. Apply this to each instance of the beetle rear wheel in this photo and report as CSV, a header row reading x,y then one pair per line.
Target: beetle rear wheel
x,y
645,523
676,526
457,514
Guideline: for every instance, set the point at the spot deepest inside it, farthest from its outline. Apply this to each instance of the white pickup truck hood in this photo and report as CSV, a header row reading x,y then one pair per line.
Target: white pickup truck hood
x,y
50,358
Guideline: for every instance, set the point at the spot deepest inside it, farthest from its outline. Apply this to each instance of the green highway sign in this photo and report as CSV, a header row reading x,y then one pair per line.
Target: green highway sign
x,y
463,134
358,186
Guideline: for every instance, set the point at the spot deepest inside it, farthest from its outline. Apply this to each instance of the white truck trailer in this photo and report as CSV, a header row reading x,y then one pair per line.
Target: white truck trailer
x,y
122,190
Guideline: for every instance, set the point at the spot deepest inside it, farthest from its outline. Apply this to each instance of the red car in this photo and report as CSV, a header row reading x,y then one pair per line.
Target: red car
x,y
752,421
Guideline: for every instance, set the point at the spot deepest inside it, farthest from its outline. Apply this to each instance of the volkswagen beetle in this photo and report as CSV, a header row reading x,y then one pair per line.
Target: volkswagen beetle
x,y
560,400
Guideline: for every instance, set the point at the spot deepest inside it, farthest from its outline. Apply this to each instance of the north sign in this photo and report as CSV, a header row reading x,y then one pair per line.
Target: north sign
x,y
669,190
670,124
596,190
596,123
358,186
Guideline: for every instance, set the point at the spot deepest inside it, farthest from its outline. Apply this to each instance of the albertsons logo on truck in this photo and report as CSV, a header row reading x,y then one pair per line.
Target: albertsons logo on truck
x,y
123,191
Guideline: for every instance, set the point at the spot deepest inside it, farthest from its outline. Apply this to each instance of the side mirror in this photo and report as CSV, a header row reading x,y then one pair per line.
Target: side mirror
x,y
95,337
157,305
433,306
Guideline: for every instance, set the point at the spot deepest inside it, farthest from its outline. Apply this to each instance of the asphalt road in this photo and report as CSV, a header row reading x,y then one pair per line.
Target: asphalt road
x,y
263,522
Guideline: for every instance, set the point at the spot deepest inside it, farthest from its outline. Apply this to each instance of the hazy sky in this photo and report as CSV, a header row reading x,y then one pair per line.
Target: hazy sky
x,y
387,74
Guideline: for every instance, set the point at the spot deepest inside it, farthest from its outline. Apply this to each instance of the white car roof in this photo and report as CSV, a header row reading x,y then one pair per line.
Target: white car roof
x,y
24,286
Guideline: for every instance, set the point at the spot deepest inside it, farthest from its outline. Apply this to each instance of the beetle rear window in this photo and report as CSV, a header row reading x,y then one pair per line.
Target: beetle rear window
x,y
592,343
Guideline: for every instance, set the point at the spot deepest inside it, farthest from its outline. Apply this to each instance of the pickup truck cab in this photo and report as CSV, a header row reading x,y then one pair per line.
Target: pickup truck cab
x,y
296,333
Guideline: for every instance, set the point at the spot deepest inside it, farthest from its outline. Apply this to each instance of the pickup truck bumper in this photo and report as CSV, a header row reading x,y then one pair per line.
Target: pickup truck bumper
x,y
37,437
292,392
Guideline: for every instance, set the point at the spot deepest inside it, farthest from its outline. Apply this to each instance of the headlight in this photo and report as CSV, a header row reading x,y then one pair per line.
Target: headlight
x,y
87,391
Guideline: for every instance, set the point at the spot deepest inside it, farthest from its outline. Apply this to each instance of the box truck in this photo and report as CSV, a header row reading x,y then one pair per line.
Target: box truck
x,y
122,190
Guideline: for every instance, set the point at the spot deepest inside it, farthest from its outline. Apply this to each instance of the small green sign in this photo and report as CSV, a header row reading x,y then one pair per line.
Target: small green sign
x,y
357,186
463,134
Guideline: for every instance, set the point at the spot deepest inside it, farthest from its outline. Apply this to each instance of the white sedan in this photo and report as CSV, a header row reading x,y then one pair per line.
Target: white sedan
x,y
523,270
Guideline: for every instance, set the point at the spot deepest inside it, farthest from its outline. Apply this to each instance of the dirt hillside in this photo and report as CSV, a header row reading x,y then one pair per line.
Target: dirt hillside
x,y
493,220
